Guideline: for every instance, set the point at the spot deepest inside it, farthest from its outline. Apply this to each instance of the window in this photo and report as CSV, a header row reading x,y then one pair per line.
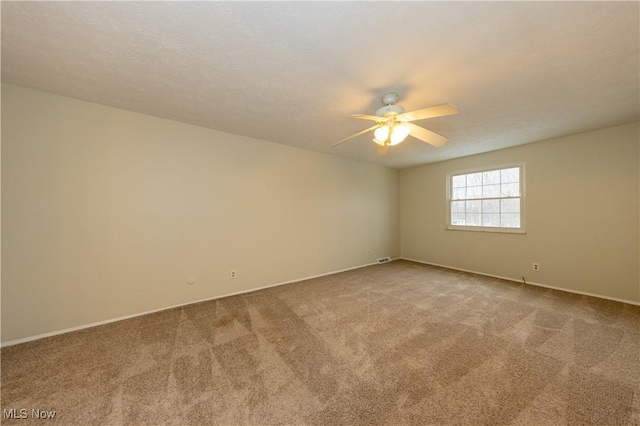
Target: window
x,y
489,199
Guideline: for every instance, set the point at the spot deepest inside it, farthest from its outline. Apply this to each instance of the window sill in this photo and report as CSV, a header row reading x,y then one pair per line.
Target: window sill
x,y
486,229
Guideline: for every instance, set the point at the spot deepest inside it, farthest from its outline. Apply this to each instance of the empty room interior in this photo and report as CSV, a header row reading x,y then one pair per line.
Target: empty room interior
x,y
320,213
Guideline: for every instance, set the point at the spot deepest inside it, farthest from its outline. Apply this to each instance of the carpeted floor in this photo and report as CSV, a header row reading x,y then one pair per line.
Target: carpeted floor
x,y
399,343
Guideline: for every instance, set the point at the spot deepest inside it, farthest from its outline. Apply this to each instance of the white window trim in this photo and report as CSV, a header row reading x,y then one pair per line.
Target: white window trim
x,y
521,230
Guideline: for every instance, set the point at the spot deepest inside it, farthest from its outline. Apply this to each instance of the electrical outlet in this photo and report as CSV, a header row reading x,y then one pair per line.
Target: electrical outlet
x,y
536,266
232,274
368,251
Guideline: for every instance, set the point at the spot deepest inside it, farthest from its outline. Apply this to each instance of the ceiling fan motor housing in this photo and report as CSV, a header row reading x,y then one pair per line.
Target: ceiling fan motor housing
x,y
390,109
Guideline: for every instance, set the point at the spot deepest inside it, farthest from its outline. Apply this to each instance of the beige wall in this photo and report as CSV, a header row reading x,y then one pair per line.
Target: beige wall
x,y
107,213
582,210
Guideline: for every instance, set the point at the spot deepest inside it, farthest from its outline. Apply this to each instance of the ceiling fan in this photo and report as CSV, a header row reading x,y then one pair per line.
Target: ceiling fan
x,y
393,125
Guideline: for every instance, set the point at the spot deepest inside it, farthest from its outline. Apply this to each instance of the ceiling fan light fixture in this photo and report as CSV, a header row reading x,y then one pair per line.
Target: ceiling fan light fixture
x,y
399,133
382,133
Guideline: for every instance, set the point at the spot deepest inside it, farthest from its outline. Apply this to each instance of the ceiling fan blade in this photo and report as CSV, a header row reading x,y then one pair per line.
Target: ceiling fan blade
x,y
432,138
375,118
431,112
357,134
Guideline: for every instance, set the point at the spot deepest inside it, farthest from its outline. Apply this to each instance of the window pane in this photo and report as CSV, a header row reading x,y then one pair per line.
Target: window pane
x,y
473,219
474,192
474,206
490,178
490,206
510,190
458,181
510,205
510,175
457,207
510,220
474,179
491,191
457,218
488,198
491,219
459,194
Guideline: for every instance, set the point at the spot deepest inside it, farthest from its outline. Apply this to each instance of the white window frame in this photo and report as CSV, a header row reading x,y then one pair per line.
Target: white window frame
x,y
520,230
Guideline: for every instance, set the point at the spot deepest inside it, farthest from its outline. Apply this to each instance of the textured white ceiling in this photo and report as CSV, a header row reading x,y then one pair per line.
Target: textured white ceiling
x,y
291,73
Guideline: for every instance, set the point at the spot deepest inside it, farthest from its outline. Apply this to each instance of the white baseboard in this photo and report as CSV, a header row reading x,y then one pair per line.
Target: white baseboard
x,y
95,324
630,302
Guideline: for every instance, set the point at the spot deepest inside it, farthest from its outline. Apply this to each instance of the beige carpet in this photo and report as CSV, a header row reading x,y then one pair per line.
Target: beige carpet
x,y
400,343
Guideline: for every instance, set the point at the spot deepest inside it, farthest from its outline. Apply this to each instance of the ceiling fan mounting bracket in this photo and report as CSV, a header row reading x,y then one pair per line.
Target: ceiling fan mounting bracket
x,y
389,98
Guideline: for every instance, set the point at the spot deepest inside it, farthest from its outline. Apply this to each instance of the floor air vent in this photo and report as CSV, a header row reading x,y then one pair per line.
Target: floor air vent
x,y
384,260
